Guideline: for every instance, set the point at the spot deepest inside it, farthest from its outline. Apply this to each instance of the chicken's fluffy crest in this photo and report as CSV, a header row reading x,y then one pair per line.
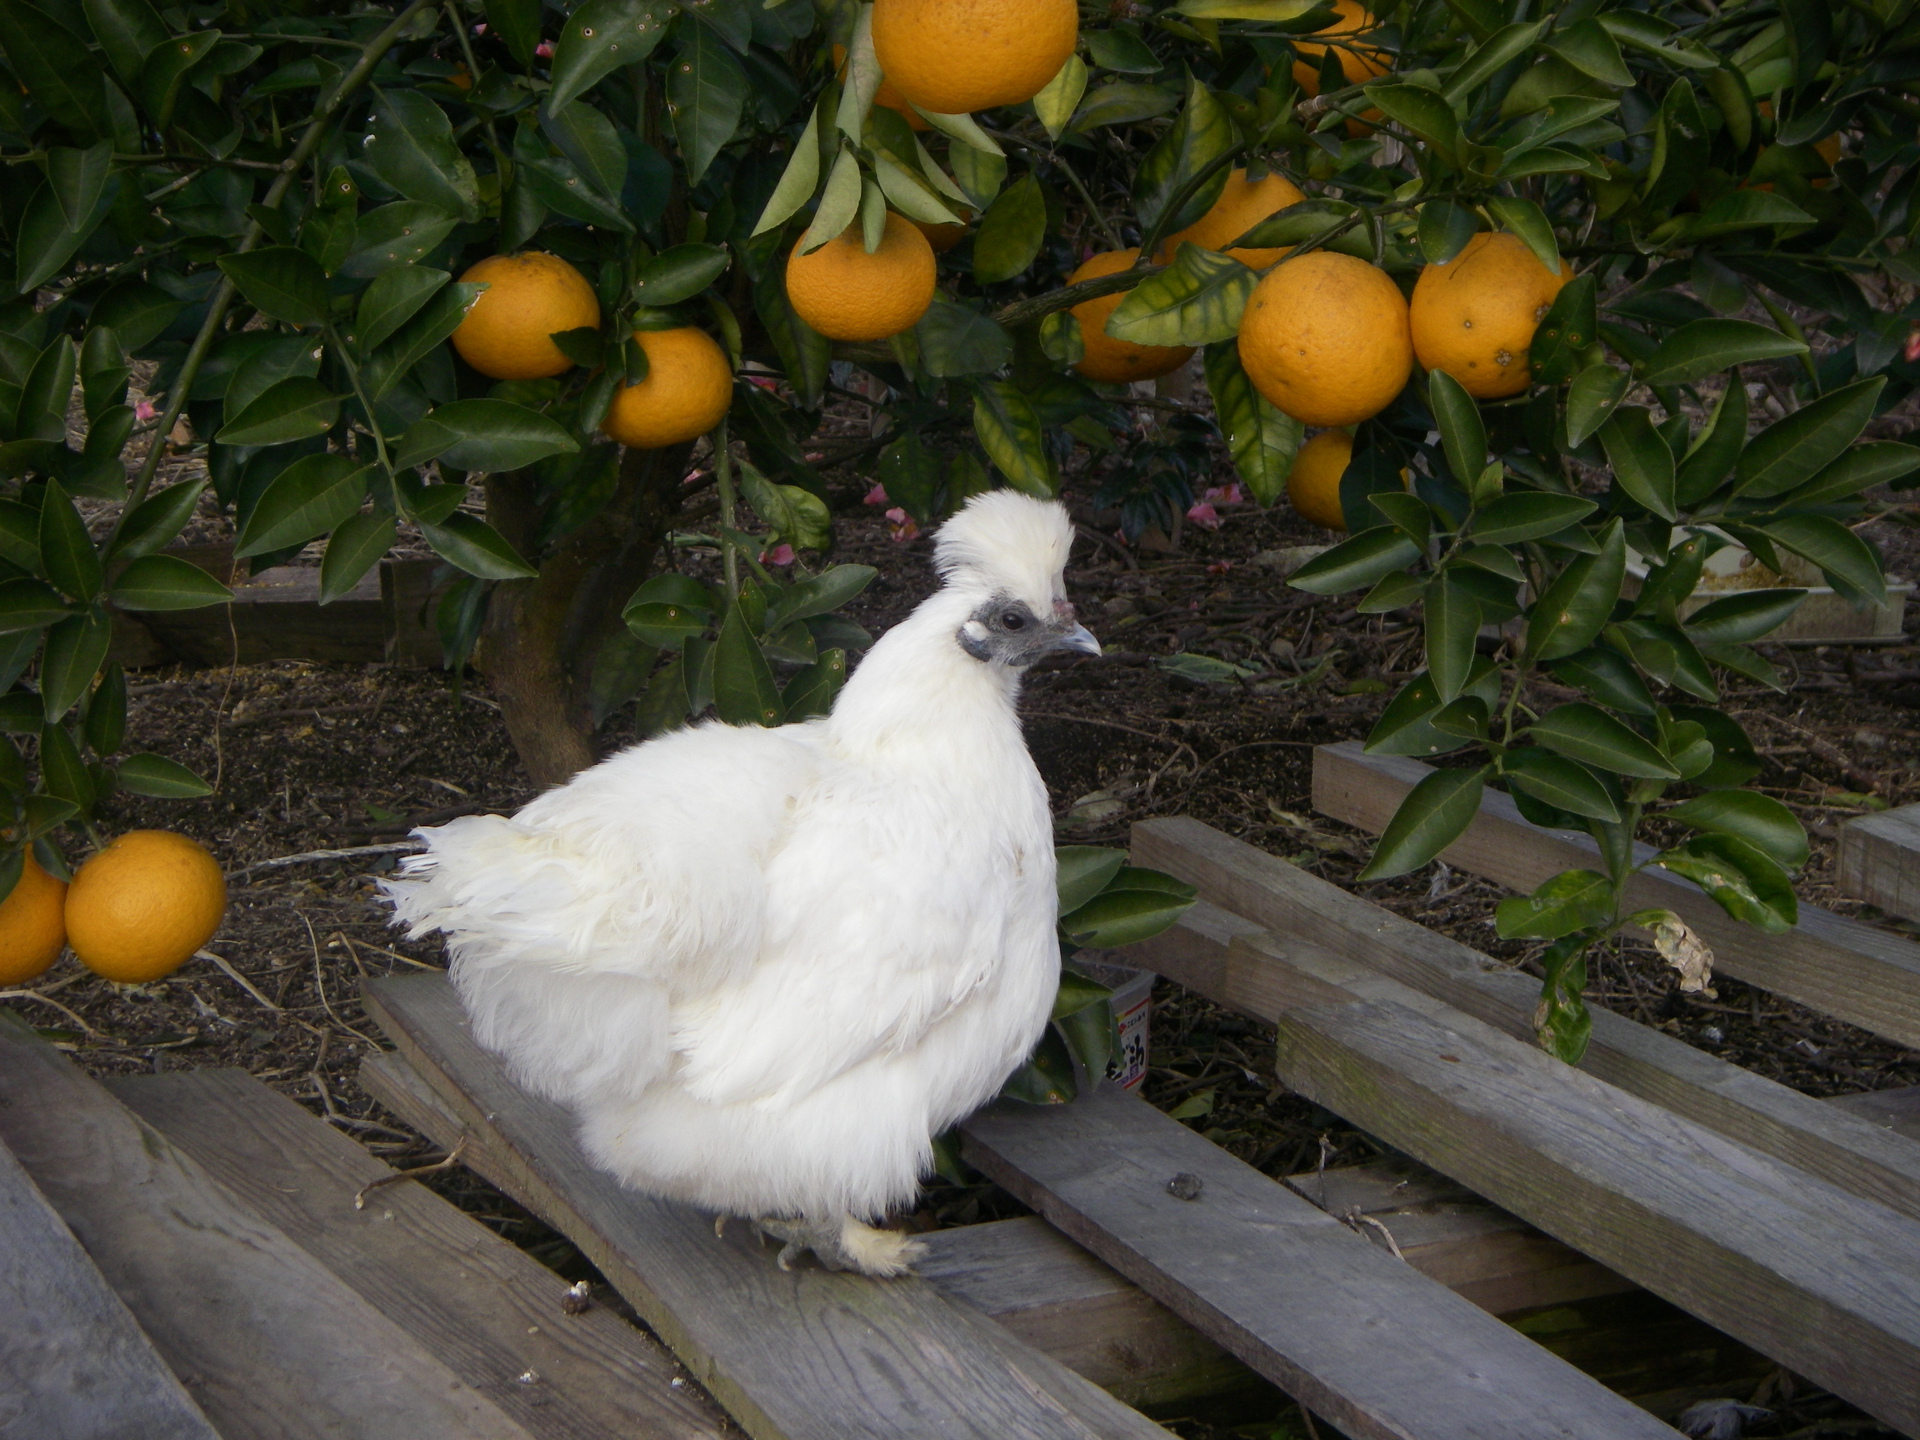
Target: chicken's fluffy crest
x,y
1008,543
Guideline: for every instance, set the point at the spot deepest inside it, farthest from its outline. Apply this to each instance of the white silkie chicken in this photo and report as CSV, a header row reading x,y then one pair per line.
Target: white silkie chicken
x,y
764,967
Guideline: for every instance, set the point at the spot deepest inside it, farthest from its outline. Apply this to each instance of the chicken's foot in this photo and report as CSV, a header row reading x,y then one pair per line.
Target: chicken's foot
x,y
842,1244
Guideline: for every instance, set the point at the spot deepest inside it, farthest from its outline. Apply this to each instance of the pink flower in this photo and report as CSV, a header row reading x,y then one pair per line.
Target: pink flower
x,y
765,382
779,555
481,28
1226,494
814,457
1220,567
876,496
144,410
900,526
1913,347
1205,516
544,49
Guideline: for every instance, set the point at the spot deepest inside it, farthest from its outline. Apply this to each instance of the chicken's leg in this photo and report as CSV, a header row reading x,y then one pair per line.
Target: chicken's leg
x,y
843,1244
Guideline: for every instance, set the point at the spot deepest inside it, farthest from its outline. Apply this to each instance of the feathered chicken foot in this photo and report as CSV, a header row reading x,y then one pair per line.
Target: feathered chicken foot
x,y
843,1244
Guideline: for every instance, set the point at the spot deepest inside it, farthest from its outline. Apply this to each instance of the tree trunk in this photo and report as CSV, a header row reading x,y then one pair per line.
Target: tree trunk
x,y
541,636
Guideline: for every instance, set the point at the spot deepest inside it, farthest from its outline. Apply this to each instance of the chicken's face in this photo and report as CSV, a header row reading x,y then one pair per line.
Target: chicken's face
x,y
1005,631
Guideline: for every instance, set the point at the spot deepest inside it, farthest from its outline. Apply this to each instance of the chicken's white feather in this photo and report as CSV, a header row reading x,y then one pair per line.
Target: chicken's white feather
x,y
764,967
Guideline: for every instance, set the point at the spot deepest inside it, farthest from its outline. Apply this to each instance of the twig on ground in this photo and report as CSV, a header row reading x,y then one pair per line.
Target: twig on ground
x,y
314,857
234,975
451,1159
55,1004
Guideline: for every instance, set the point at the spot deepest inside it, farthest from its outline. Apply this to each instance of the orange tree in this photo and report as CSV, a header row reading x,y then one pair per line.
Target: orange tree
x,y
284,213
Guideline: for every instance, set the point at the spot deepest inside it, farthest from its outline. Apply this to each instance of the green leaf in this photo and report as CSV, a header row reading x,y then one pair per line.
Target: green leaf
x,y
42,409
1202,135
1083,871
1434,814
127,31
1851,565
957,341
282,282
149,774
797,182
1701,347
54,68
1297,224
476,547
558,185
495,435
516,24
812,689
1197,300
791,514
46,242
1527,220
1737,619
1123,916
1452,626
592,146
1588,734
1874,463
1008,429
394,297
1606,675
1060,97
744,692
1444,229
1574,608
395,234
62,770
1572,900
1262,440
600,37
419,337
839,203
157,520
1357,561
679,273
166,582
1570,325
707,91
1562,783
1462,431
309,498
167,67
1792,450
1760,820
295,409
1592,397
1715,449
1740,210
1742,879
1498,49
67,555
76,649
820,595
357,544
105,727
78,180
1642,464
1587,47
29,605
1011,232
1527,515
1423,111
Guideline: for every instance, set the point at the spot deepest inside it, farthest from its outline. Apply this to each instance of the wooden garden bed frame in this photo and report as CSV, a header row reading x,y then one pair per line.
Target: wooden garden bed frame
x,y
195,1236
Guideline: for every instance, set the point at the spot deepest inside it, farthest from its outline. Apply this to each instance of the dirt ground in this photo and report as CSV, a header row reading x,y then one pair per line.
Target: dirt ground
x,y
310,757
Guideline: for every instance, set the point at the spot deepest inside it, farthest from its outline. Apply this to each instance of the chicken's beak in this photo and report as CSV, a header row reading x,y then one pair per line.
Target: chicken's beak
x,y
1078,638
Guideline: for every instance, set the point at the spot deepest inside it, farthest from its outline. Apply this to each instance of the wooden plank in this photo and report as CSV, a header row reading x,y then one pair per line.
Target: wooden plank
x,y
74,1364
1864,976
265,1340
1844,1149
1896,1110
277,615
1879,860
1819,1279
406,601
1349,1331
800,1353
486,1308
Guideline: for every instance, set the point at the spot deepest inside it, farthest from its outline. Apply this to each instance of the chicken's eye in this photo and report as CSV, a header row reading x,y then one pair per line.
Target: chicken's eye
x,y
1013,620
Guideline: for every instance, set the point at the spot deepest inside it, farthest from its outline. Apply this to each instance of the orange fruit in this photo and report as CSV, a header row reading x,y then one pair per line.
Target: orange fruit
x,y
944,237
1475,315
847,294
1313,484
954,56
1358,65
528,298
33,924
1118,361
689,386
886,95
140,908
1324,337
1241,206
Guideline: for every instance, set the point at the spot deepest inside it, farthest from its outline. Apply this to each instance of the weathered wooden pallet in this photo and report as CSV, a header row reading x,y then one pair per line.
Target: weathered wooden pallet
x,y
1257,1263
277,615
1864,976
1220,954
1804,1271
1879,860
800,1353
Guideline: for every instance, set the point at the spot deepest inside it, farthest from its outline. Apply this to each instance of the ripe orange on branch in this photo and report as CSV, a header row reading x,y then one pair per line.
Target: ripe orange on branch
x,y
528,298
1325,339
140,908
887,95
33,924
847,294
955,56
1313,484
1242,205
688,387
1474,316
1359,63
1107,358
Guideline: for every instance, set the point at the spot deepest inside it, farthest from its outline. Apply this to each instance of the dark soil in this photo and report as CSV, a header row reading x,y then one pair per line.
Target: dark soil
x,y
311,757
